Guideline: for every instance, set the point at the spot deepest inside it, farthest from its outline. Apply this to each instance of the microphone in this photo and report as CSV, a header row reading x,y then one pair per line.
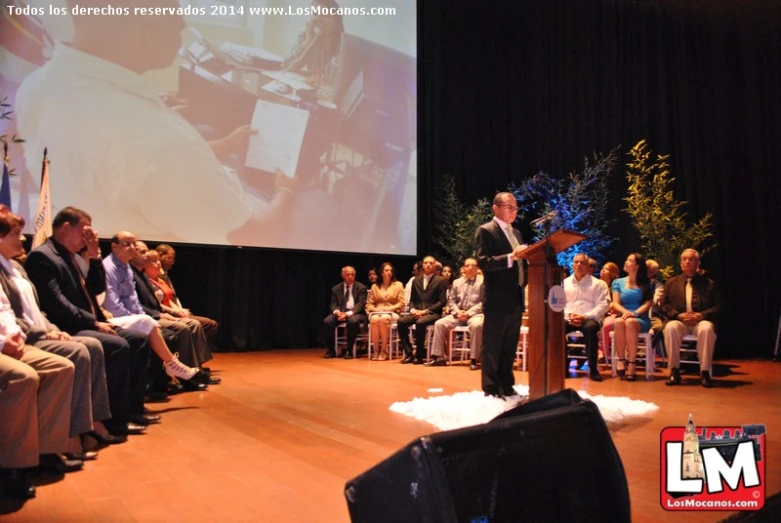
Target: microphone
x,y
545,218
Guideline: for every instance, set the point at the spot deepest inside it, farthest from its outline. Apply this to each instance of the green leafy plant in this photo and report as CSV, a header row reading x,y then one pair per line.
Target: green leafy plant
x,y
658,217
456,223
580,201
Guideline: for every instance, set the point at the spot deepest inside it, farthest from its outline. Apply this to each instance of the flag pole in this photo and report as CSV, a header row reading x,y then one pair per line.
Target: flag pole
x,y
43,217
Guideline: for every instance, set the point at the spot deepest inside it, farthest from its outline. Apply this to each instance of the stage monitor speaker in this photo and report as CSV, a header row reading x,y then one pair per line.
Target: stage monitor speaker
x,y
548,460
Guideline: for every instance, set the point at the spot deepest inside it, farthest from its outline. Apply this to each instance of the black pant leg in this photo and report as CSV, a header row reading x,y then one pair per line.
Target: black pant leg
x,y
139,367
116,353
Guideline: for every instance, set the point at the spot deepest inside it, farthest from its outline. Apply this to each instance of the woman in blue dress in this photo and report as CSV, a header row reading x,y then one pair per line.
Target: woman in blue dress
x,y
632,298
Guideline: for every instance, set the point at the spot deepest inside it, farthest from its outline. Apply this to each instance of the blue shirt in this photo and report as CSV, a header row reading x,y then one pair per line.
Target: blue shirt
x,y
121,298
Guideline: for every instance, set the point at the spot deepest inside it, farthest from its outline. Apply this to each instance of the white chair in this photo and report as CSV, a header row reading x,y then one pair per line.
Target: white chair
x,y
689,346
459,341
645,353
393,339
523,345
340,338
429,339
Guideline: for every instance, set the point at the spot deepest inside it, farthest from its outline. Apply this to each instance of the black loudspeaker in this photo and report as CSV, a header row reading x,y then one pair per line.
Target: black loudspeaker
x,y
547,460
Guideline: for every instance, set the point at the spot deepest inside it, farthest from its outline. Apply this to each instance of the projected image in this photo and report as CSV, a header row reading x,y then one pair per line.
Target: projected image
x,y
221,122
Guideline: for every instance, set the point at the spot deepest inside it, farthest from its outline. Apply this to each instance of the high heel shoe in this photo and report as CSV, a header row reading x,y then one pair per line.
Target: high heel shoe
x,y
383,357
621,373
631,376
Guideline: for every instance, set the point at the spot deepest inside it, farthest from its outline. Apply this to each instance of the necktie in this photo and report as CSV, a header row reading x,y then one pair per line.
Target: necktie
x,y
689,294
465,301
83,284
514,243
425,282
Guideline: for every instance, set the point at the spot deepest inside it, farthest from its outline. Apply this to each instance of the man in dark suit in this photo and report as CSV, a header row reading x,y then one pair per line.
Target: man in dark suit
x,y
67,288
690,305
428,297
348,306
498,246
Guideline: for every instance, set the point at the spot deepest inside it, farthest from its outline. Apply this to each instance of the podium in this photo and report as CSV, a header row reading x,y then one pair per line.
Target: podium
x,y
547,350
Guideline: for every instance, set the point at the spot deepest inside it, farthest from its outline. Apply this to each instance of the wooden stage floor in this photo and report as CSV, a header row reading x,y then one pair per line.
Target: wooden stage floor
x,y
277,440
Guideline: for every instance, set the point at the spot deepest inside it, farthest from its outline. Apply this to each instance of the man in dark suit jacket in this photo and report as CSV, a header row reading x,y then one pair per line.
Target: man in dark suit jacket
x,y
695,314
348,306
428,297
67,287
498,246
185,334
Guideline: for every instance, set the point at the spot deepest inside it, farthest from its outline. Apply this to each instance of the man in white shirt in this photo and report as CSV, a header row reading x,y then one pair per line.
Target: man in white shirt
x,y
122,152
587,303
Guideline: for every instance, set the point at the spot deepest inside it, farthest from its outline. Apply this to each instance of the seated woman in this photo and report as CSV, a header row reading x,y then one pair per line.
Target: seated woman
x,y
608,274
386,301
632,297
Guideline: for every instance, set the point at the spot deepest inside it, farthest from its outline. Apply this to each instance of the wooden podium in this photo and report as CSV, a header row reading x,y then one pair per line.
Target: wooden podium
x,y
546,364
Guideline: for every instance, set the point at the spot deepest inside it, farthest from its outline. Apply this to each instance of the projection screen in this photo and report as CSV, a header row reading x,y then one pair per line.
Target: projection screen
x,y
270,123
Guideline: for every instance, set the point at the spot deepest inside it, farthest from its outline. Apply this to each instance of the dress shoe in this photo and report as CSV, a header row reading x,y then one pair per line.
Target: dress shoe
x,y
15,484
144,419
193,386
674,379
154,396
408,359
127,429
175,388
436,361
104,439
473,365
347,355
594,376
203,377
207,370
329,354
84,455
417,361
495,395
705,380
53,463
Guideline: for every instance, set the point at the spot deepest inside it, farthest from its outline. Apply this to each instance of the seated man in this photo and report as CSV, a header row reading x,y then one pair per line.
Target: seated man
x,y
90,406
465,307
122,302
67,288
427,298
587,303
167,261
348,306
35,407
691,305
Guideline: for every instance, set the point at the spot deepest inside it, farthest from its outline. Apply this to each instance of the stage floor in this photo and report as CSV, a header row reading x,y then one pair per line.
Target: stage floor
x,y
277,440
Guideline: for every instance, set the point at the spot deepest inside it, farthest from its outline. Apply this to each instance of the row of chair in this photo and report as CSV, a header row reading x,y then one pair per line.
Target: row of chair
x,y
646,351
459,343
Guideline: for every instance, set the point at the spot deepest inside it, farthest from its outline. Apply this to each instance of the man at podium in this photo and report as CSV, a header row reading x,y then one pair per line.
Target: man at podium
x,y
499,246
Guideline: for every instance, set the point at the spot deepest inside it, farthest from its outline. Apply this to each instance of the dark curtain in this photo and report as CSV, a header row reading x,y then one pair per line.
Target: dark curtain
x,y
511,87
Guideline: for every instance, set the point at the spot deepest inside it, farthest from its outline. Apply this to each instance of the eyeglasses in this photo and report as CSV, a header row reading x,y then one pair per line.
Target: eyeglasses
x,y
127,244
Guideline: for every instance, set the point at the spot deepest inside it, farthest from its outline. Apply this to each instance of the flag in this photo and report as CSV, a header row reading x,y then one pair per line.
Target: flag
x,y
43,216
5,188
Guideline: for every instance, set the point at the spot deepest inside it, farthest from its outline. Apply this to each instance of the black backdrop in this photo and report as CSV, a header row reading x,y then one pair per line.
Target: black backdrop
x,y
510,87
